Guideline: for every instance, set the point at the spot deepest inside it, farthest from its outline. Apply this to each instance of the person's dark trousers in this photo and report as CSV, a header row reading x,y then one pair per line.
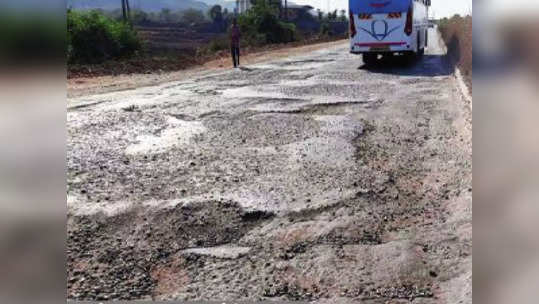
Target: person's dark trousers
x,y
235,55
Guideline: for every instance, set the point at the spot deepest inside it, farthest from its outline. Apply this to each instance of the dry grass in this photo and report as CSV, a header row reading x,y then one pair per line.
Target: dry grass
x,y
457,34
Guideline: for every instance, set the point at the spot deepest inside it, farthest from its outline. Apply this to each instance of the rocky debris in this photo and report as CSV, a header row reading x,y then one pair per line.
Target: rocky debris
x,y
131,108
101,267
293,250
409,292
322,184
113,257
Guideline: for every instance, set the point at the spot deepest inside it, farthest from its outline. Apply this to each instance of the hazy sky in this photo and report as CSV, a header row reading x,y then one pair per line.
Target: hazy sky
x,y
440,8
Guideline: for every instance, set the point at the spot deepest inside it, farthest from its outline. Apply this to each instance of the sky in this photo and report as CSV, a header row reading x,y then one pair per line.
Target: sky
x,y
439,8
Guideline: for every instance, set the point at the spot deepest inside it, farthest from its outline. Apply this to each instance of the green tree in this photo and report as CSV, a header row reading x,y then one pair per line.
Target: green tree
x,y
139,16
332,15
325,28
93,38
343,15
261,25
193,16
216,13
166,15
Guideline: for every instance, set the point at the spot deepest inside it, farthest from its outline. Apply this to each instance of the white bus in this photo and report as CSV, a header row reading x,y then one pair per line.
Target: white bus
x,y
388,27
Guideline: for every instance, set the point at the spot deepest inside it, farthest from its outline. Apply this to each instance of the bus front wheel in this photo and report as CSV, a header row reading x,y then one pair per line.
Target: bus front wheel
x,y
420,50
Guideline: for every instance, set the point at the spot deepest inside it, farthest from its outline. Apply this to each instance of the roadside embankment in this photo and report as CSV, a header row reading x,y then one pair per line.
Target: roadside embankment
x,y
88,85
176,61
457,35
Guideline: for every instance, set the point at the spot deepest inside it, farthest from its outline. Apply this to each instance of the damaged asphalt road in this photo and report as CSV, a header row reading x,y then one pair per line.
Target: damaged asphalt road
x,y
305,178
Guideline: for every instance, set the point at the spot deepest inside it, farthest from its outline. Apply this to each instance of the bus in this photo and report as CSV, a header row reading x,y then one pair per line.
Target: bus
x,y
388,27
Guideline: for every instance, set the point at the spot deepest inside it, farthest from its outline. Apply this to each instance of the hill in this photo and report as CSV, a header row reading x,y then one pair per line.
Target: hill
x,y
145,5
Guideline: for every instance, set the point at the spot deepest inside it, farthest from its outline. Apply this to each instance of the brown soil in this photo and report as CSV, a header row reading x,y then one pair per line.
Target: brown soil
x,y
309,178
100,82
163,58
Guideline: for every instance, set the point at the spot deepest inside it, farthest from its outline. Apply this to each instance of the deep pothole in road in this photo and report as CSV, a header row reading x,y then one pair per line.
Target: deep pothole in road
x,y
113,257
181,116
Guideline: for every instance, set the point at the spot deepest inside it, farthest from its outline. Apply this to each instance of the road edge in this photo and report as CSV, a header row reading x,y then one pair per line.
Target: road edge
x,y
462,87
80,87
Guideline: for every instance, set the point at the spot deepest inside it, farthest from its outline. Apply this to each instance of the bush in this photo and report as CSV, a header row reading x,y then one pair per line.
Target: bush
x,y
94,38
261,25
325,29
139,17
218,44
288,32
193,16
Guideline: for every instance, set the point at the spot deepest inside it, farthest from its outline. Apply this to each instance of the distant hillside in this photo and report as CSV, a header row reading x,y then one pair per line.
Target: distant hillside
x,y
225,4
145,5
148,5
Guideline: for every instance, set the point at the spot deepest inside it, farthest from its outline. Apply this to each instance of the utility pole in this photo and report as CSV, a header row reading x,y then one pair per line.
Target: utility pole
x,y
124,11
128,9
128,13
286,9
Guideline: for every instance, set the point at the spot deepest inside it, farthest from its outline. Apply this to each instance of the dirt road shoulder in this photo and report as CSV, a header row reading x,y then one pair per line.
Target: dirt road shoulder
x,y
77,87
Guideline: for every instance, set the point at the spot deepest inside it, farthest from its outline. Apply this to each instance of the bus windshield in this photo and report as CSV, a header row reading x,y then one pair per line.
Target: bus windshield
x,y
379,6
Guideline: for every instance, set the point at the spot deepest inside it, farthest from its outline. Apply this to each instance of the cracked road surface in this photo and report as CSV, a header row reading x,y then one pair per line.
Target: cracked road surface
x,y
305,178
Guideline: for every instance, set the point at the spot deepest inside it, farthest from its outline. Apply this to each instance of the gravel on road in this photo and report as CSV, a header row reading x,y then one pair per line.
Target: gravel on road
x,y
306,178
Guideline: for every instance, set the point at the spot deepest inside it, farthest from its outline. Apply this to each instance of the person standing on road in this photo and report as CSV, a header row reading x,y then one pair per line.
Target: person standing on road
x,y
235,36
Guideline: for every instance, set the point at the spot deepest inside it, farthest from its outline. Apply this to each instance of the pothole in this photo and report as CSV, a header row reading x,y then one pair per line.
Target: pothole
x,y
127,249
279,101
183,117
335,108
